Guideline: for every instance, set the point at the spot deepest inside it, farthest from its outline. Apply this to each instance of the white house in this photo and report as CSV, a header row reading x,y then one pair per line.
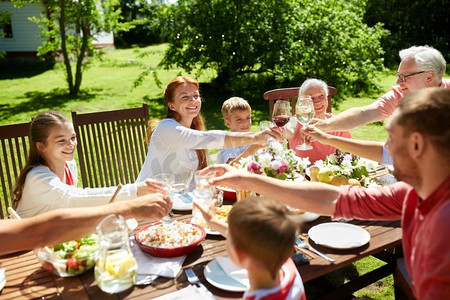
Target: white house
x,y
23,36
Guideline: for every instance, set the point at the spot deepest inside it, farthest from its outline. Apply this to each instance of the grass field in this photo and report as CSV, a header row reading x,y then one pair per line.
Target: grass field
x,y
27,90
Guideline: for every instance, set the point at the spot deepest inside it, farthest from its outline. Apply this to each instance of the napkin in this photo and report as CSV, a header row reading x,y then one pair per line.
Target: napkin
x,y
150,267
2,278
236,273
189,292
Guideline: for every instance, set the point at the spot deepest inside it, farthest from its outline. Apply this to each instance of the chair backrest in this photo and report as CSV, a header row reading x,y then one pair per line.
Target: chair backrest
x,y
14,148
111,145
292,95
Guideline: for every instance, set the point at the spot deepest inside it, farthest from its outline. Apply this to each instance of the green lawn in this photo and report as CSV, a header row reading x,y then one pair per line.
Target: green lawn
x,y
107,84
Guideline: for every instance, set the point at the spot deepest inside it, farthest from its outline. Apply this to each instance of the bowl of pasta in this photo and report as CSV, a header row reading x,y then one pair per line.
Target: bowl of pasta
x,y
163,239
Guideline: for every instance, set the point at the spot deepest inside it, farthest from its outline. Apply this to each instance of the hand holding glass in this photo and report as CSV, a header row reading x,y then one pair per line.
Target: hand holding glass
x,y
304,111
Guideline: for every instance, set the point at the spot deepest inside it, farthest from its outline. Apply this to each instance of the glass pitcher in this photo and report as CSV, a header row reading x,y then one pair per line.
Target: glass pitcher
x,y
116,267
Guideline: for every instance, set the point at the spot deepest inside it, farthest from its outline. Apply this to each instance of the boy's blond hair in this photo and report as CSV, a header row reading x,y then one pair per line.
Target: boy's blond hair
x,y
234,104
264,229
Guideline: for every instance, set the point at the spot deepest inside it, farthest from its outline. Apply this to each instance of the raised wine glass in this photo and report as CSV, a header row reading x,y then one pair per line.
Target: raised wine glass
x,y
304,111
281,113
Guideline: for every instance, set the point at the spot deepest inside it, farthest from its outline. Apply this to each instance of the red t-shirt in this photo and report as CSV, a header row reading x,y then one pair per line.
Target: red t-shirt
x,y
291,287
68,176
425,225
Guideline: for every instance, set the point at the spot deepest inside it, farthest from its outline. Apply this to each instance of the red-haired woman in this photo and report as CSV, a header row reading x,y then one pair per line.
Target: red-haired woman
x,y
181,136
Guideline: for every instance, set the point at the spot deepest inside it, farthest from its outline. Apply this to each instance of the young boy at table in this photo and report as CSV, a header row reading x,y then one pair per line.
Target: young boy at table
x,y
260,238
237,117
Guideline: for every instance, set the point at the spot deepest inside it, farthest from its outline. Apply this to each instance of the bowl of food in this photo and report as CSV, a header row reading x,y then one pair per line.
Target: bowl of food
x,y
164,239
70,258
228,194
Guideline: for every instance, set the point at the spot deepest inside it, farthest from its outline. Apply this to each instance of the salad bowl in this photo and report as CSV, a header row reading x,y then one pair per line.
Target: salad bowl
x,y
163,239
70,258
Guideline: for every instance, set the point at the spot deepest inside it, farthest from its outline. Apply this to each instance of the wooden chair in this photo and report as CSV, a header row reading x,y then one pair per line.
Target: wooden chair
x,y
112,145
14,147
402,282
292,94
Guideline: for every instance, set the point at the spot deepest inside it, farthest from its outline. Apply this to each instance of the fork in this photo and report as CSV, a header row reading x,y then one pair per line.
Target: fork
x,y
303,245
193,279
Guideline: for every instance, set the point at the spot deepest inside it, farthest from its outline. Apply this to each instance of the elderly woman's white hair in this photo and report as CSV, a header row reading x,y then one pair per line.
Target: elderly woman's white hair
x,y
313,83
427,59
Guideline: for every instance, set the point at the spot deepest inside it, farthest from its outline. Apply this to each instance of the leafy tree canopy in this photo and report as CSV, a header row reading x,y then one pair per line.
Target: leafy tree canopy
x,y
285,41
69,26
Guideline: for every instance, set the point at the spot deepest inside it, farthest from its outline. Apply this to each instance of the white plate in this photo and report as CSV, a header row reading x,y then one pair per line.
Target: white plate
x,y
182,202
339,235
2,279
207,230
216,275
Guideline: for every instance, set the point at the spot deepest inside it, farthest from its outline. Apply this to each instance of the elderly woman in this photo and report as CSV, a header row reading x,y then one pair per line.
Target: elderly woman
x,y
318,91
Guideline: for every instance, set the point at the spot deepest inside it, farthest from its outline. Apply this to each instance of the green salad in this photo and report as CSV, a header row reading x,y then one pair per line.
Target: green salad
x,y
78,255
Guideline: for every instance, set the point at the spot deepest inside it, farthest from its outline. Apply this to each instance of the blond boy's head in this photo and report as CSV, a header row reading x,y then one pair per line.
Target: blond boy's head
x,y
237,114
264,230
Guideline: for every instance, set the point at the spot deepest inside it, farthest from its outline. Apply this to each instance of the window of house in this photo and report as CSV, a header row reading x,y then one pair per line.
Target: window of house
x,y
7,29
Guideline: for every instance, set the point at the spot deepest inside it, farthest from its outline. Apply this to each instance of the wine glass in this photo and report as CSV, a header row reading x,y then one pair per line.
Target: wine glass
x,y
281,113
304,111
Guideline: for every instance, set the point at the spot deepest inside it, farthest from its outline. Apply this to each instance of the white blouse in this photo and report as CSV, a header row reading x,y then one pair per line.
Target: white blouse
x,y
44,191
172,142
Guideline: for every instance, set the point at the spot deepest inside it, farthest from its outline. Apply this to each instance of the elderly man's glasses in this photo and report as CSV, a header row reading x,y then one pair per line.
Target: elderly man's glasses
x,y
403,78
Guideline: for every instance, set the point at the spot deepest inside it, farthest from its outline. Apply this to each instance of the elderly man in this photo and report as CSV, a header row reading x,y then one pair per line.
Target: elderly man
x,y
66,224
420,67
419,142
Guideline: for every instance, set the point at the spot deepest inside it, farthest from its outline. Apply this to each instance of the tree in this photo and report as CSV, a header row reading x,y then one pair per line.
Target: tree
x,y
69,26
419,23
285,40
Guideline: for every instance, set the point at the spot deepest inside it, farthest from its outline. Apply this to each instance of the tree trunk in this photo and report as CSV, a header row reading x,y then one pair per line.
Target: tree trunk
x,y
64,48
80,58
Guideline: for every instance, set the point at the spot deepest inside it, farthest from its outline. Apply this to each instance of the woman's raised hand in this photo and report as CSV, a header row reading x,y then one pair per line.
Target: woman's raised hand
x,y
150,186
151,206
273,132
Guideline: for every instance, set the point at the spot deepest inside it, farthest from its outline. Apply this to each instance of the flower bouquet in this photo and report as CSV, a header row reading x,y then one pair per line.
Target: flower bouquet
x,y
275,161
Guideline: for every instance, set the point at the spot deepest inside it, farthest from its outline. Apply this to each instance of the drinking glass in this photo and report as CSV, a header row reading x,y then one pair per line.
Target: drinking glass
x,y
281,113
263,125
166,180
304,111
203,192
183,174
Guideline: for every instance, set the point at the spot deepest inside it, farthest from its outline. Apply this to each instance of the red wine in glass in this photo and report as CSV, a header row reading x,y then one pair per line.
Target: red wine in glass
x,y
280,120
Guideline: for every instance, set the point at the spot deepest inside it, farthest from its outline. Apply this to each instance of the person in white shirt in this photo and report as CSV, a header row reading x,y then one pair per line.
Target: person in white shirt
x,y
49,179
181,136
420,67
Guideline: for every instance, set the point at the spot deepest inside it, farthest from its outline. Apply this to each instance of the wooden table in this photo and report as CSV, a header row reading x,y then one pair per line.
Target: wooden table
x,y
27,279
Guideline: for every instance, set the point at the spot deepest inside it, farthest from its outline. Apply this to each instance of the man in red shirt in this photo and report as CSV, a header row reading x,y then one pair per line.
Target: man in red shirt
x,y
419,142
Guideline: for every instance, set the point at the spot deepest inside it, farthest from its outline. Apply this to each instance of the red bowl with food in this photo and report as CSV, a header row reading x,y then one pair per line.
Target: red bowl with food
x,y
228,194
169,239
